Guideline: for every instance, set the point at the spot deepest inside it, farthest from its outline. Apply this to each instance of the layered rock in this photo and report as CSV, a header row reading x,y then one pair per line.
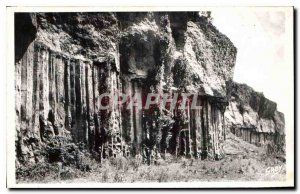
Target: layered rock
x,y
66,61
253,117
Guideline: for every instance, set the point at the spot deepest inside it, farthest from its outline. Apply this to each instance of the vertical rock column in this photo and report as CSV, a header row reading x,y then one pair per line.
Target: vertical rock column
x,y
215,129
104,122
18,135
115,115
73,99
127,115
137,119
24,106
35,92
96,103
81,102
26,90
90,105
44,82
67,89
52,75
60,94
56,75
78,101
196,130
205,129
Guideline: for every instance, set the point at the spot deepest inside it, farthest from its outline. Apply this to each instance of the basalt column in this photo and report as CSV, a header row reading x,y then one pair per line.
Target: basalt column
x,y
137,117
91,116
213,128
107,87
196,131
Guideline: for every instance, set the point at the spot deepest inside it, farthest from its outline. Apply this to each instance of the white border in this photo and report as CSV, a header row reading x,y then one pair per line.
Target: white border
x,y
11,104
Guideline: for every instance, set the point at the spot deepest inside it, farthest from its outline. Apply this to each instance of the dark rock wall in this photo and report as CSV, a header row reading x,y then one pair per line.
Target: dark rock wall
x,y
67,60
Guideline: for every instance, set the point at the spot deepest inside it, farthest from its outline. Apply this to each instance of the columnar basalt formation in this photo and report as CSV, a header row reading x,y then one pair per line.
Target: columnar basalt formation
x,y
253,117
65,61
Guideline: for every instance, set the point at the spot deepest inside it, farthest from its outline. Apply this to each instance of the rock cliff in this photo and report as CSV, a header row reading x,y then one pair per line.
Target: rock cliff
x,y
253,117
65,61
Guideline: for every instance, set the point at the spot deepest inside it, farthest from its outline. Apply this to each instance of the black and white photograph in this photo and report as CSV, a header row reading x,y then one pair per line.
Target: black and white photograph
x,y
199,97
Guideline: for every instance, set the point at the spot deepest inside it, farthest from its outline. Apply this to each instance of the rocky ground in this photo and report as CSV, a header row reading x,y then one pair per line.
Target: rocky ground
x,y
243,162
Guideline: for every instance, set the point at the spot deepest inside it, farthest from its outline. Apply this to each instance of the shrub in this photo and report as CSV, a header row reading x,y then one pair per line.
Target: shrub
x,y
37,172
118,177
163,176
105,175
136,162
274,149
184,164
120,163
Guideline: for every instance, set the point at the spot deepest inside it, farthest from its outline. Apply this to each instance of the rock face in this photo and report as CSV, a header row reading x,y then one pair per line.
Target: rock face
x,y
64,62
253,117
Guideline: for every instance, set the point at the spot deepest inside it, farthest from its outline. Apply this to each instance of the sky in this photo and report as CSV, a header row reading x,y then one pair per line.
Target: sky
x,y
264,41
